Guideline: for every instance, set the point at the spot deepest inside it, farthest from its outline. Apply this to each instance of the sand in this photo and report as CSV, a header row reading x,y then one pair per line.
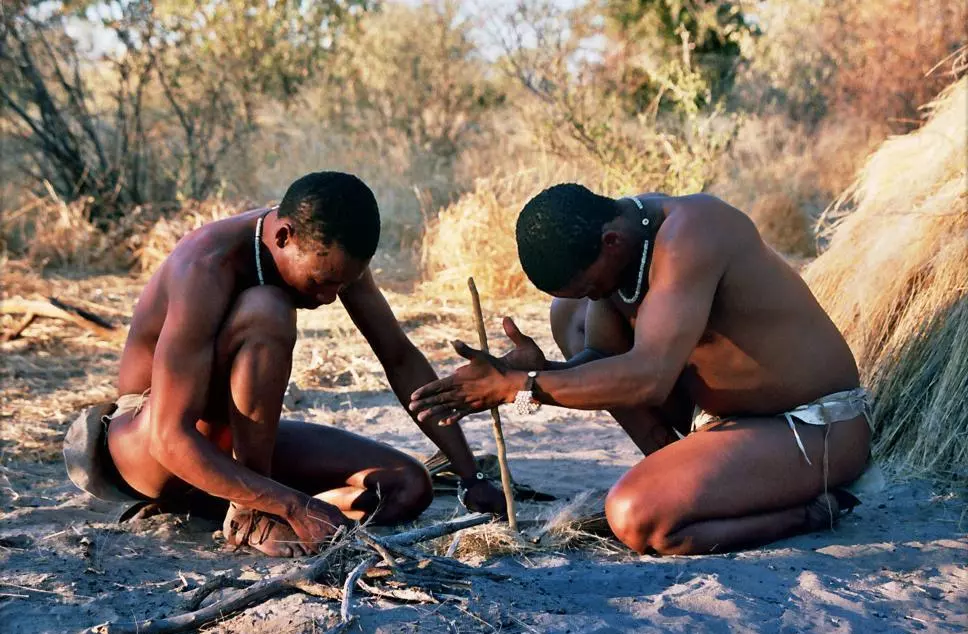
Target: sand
x,y
898,563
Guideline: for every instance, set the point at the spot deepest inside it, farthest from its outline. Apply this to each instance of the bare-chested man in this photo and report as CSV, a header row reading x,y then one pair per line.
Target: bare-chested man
x,y
207,362
666,304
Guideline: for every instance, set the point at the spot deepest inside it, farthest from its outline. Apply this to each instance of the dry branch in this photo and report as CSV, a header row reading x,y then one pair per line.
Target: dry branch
x,y
424,533
55,309
19,328
300,578
502,453
346,605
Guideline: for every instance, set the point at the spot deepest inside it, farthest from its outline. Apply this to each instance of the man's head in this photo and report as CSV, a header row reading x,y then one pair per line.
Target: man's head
x,y
324,234
573,242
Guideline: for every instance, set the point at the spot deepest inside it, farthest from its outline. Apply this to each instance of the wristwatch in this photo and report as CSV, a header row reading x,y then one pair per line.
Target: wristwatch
x,y
524,402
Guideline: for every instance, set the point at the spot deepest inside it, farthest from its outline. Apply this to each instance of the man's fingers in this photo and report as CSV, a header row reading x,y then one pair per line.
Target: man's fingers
x,y
443,385
512,331
454,418
449,399
435,412
465,350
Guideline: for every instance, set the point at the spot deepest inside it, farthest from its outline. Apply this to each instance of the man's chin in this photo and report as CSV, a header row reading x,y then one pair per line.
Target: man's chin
x,y
307,304
310,304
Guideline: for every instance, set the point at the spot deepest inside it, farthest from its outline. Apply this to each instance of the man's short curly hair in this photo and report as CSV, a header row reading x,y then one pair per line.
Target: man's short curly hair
x,y
559,234
334,208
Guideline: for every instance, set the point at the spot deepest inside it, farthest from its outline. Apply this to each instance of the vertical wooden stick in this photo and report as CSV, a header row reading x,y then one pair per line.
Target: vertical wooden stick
x,y
502,453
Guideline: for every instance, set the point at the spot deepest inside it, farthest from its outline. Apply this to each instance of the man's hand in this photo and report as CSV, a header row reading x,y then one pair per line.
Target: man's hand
x,y
526,355
480,385
483,497
315,522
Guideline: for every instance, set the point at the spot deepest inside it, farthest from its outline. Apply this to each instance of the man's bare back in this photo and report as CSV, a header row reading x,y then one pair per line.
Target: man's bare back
x,y
767,346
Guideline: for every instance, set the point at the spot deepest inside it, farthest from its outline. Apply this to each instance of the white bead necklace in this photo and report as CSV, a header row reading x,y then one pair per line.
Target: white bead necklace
x,y
258,251
645,257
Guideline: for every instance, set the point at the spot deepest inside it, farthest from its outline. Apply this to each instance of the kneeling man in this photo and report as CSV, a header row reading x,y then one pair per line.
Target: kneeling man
x,y
207,361
705,346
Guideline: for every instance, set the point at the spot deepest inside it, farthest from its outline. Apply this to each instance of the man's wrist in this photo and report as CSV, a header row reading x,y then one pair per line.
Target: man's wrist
x,y
295,504
515,381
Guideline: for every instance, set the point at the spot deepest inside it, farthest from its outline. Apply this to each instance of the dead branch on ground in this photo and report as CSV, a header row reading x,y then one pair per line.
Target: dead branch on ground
x,y
356,544
54,308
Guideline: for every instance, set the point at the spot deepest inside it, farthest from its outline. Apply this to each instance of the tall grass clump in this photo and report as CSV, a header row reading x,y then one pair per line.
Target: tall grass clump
x,y
49,233
895,281
474,236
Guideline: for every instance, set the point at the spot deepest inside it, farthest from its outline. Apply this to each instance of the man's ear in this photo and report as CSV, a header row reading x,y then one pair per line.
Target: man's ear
x,y
284,234
611,239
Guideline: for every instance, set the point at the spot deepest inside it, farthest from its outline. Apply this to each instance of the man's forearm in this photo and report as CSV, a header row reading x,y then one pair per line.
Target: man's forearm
x,y
198,462
619,381
412,373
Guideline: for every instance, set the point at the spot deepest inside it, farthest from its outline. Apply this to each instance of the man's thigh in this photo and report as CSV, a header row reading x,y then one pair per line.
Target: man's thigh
x,y
743,467
314,458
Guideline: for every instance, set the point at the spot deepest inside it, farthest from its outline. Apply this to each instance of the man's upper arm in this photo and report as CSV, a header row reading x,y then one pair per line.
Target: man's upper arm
x,y
675,311
182,365
371,313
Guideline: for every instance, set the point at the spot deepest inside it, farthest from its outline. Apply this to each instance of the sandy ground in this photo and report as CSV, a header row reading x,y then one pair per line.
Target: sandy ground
x,y
898,563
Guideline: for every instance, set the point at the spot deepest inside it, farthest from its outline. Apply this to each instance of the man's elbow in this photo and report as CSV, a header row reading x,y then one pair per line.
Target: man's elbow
x,y
649,391
162,445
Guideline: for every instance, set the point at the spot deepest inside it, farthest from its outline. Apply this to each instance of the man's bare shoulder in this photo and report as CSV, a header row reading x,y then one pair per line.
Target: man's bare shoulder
x,y
705,222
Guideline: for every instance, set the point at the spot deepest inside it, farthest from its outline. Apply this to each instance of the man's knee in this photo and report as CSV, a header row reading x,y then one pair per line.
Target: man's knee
x,y
639,521
628,518
567,318
262,313
406,493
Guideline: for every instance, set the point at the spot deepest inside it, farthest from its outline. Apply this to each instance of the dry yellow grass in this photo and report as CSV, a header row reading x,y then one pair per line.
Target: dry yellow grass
x,y
895,280
475,237
784,174
49,233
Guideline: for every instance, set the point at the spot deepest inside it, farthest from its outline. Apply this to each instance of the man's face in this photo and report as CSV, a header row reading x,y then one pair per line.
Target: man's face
x,y
598,281
318,273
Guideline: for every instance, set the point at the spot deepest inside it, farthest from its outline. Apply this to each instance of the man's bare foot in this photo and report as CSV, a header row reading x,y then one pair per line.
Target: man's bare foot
x,y
822,513
266,533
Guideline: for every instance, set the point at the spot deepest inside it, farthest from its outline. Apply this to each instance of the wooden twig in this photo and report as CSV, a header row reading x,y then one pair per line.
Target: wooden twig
x,y
320,590
502,453
296,579
59,310
448,565
80,312
346,605
19,328
214,584
256,593
422,534
409,595
375,544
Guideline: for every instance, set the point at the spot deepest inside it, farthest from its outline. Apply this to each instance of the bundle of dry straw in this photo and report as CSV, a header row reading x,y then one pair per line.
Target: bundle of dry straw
x,y
895,280
47,232
474,237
